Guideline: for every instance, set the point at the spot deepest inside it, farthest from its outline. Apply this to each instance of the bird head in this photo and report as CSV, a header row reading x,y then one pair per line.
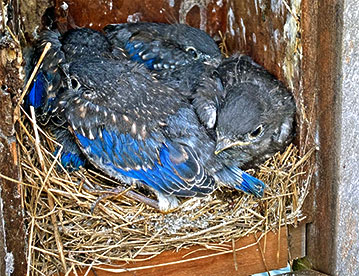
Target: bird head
x,y
198,44
253,123
84,41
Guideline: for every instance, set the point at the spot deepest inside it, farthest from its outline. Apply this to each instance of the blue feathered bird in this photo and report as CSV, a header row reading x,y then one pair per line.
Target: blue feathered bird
x,y
179,56
161,46
49,82
176,54
64,48
135,129
255,118
246,109
251,112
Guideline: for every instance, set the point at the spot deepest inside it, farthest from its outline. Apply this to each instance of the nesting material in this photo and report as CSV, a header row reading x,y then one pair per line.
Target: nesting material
x,y
64,233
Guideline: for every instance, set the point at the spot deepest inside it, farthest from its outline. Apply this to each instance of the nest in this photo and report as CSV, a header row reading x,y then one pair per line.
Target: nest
x,y
64,230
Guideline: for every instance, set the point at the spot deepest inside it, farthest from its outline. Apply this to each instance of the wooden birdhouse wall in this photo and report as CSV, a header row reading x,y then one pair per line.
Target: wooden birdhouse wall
x,y
309,45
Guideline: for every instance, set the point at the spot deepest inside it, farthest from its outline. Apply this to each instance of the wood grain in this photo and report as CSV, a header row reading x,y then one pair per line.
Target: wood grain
x,y
251,257
297,241
83,13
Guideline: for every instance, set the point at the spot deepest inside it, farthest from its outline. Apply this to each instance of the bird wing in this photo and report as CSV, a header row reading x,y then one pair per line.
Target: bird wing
x,y
48,79
207,98
64,49
162,46
156,52
117,117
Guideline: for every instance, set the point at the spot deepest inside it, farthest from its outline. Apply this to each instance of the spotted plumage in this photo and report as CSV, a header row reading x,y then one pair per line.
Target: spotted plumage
x,y
137,130
179,56
255,120
156,139
162,46
49,82
64,48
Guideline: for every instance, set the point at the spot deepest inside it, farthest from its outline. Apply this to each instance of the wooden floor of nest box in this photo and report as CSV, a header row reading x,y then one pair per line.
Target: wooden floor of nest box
x,y
252,254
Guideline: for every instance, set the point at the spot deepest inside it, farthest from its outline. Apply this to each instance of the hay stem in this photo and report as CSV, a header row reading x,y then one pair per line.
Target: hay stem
x,y
66,235
32,76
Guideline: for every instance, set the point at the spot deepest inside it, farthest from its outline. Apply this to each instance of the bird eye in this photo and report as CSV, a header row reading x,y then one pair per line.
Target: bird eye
x,y
193,52
255,133
75,84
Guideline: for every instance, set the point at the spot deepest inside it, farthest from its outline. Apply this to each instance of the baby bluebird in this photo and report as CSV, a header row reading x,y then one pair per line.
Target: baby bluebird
x,y
49,82
255,119
161,46
251,124
137,130
176,54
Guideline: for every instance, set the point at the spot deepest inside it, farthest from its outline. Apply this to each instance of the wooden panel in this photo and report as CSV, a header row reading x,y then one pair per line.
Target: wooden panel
x,y
297,241
250,257
321,35
209,15
258,30
12,229
304,273
333,237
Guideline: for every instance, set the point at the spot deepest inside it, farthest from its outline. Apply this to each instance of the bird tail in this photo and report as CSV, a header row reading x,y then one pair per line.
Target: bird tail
x,y
48,79
240,180
37,93
71,157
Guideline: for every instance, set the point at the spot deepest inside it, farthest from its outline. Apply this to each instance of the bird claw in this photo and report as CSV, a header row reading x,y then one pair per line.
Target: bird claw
x,y
164,204
128,193
167,203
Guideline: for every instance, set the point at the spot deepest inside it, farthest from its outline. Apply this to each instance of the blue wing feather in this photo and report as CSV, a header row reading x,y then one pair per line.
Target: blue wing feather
x,y
71,161
71,156
171,173
134,54
37,92
39,96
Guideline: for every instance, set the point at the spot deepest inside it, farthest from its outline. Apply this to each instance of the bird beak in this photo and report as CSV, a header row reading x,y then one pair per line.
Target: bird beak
x,y
226,144
213,62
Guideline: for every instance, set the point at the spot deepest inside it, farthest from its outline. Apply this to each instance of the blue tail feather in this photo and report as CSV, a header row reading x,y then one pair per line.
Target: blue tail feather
x,y
71,161
252,185
36,95
235,177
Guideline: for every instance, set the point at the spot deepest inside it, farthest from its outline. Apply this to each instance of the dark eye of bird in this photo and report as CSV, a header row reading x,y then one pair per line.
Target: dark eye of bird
x,y
256,132
74,83
193,52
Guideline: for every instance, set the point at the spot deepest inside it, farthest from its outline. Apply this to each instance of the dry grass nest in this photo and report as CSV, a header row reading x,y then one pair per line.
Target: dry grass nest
x,y
64,232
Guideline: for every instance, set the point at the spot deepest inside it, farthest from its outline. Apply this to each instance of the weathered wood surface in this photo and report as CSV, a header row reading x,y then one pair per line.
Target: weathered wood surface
x,y
332,31
297,241
250,257
209,15
12,230
304,273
